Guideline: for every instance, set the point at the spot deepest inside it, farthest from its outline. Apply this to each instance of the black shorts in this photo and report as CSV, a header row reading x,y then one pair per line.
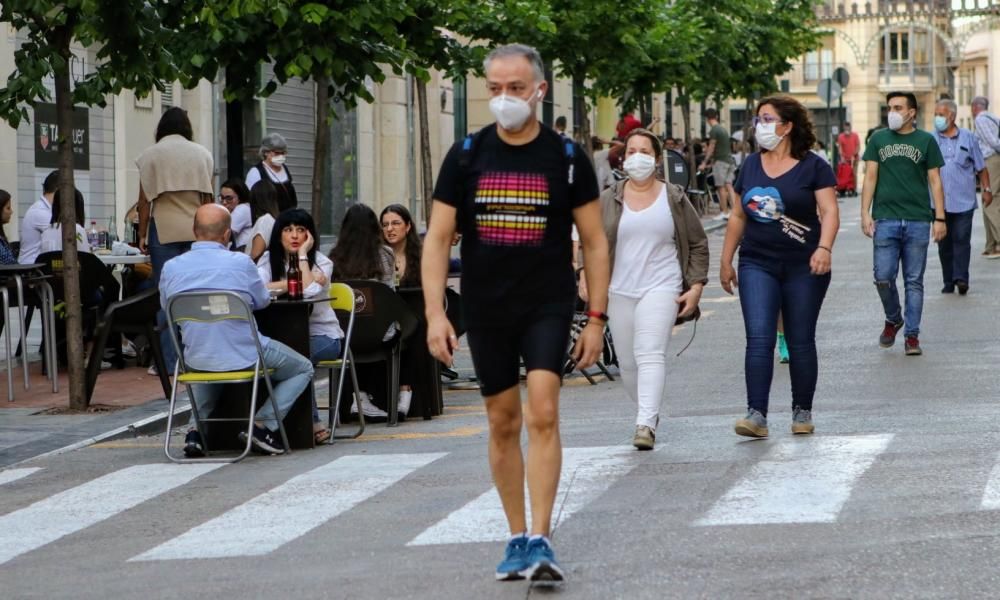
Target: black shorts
x,y
540,337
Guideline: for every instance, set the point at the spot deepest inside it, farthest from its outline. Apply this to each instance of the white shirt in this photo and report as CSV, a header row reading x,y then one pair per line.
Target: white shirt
x,y
241,224
51,240
263,228
36,220
322,321
645,252
253,175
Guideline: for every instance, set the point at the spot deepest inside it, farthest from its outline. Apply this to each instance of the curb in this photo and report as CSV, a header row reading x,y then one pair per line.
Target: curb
x,y
713,225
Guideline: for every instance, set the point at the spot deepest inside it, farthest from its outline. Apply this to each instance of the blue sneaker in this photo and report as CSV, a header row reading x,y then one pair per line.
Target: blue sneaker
x,y
515,559
542,566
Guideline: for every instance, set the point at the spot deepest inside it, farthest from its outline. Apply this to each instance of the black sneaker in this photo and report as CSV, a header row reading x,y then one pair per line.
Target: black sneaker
x,y
888,336
963,287
192,445
264,441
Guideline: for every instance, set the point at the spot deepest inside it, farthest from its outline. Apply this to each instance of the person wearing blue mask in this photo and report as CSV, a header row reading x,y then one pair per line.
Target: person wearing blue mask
x,y
963,162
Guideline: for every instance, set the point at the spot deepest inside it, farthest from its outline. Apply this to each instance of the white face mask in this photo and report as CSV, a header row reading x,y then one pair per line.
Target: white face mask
x,y
278,160
639,166
766,136
512,112
896,121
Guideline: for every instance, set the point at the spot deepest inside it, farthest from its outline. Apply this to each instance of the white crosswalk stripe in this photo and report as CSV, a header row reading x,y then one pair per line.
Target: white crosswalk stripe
x,y
292,509
991,494
80,507
586,473
11,475
800,481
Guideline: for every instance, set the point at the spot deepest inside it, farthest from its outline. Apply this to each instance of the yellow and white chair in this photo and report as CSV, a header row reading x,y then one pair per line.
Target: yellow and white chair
x,y
342,302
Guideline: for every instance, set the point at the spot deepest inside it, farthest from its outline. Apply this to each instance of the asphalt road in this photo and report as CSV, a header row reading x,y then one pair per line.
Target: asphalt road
x,y
896,496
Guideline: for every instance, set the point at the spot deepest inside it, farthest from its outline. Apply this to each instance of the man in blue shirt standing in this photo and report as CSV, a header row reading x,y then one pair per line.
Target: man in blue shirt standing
x,y
963,160
210,266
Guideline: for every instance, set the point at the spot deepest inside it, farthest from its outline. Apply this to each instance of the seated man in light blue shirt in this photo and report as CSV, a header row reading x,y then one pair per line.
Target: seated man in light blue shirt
x,y
210,347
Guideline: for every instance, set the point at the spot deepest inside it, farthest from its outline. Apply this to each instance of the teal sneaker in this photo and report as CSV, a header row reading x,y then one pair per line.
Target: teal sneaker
x,y
542,566
782,349
515,559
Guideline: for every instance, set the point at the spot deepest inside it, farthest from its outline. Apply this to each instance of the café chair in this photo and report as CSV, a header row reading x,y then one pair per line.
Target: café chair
x,y
135,314
376,308
342,302
213,307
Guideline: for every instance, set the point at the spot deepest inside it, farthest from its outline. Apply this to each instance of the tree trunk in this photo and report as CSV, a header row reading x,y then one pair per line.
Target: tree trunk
x,y
71,266
321,149
583,128
426,173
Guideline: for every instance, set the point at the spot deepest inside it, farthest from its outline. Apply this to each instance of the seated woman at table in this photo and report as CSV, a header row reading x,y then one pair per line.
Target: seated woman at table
x,y
52,237
7,256
361,253
400,234
263,212
294,234
235,196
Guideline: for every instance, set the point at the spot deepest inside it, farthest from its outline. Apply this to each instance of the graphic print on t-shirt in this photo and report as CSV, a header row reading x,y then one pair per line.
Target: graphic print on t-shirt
x,y
764,205
511,208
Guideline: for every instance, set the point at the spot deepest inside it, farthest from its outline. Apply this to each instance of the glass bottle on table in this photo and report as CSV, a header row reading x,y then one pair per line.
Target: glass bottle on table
x,y
294,278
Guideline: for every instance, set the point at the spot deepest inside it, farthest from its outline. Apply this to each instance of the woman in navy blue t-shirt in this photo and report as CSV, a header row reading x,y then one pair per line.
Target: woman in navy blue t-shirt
x,y
785,225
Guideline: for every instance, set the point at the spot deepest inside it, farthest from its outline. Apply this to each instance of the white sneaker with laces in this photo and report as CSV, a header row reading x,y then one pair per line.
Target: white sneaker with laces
x,y
369,409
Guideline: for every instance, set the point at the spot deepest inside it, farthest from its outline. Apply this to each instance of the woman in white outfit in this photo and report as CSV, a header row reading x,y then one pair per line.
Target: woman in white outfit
x,y
659,260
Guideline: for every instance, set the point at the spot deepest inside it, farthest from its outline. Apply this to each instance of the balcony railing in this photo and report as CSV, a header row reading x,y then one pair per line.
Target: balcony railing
x,y
843,9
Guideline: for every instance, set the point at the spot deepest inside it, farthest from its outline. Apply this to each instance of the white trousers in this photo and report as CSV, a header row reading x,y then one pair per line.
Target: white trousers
x,y
641,329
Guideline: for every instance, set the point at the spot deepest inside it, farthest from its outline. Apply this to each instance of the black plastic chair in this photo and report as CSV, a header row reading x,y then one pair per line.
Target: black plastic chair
x,y
377,308
134,315
98,288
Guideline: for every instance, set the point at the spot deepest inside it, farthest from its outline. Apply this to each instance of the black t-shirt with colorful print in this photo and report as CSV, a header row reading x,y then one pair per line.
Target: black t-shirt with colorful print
x,y
515,211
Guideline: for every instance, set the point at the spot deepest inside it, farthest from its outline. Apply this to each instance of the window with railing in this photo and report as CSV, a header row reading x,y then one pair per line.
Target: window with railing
x,y
905,52
818,65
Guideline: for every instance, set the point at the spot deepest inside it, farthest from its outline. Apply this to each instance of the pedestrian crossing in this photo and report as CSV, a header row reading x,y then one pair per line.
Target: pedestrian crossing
x,y
794,481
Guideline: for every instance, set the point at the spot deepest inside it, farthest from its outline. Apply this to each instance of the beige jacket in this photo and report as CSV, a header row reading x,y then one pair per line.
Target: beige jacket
x,y
689,235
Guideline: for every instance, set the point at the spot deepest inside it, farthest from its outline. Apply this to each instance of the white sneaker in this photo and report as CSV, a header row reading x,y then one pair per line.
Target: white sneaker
x,y
725,216
369,409
128,350
152,370
404,402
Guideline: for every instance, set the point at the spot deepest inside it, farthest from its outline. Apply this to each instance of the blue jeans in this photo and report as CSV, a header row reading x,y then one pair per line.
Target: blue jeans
x,y
159,254
901,241
292,374
765,288
956,247
322,347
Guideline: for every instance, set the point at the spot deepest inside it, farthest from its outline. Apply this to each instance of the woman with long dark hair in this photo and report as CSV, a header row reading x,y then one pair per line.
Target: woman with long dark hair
x,y
401,235
294,235
7,256
361,253
263,212
785,225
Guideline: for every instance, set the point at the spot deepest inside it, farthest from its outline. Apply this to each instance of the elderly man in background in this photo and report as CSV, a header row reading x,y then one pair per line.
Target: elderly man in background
x,y
963,162
987,127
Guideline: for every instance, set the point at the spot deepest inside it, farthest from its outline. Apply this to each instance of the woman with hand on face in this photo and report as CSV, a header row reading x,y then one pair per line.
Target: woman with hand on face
x,y
785,225
402,237
659,266
294,235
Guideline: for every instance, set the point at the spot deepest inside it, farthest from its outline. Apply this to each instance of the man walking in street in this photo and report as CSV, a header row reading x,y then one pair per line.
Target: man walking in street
x,y
848,145
963,161
719,155
515,189
988,134
901,162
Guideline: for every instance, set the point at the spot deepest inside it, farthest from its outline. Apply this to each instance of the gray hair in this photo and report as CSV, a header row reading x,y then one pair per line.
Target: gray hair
x,y
950,105
518,50
272,142
981,102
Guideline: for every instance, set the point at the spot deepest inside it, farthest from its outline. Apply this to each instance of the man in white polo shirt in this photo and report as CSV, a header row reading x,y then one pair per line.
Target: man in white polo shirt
x,y
36,220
